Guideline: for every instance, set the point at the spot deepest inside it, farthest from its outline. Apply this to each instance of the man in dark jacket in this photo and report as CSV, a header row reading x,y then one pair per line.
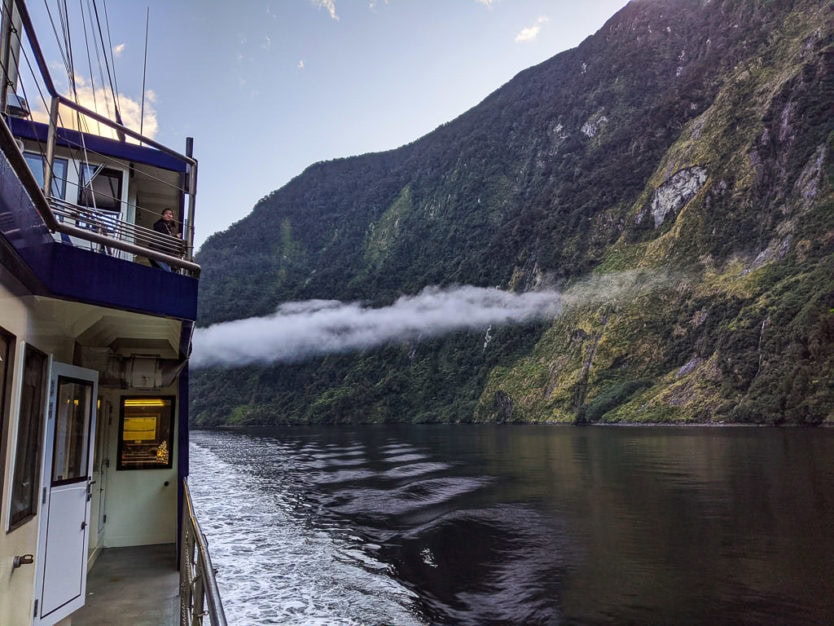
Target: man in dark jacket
x,y
167,226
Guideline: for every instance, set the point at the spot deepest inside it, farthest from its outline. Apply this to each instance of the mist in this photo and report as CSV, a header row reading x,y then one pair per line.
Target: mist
x,y
301,330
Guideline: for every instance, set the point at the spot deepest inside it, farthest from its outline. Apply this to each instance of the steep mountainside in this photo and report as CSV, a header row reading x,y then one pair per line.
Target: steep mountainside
x,y
686,138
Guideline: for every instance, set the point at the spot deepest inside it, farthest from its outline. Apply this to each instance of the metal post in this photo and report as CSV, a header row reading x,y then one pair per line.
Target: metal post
x,y
192,196
50,148
8,57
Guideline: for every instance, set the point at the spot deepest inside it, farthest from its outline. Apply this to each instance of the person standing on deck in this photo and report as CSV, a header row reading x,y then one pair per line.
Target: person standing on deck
x,y
167,226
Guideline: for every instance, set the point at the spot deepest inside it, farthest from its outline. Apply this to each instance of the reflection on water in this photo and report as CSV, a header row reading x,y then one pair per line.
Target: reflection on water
x,y
528,524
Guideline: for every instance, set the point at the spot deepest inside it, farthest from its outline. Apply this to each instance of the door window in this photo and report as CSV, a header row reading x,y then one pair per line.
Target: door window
x,y
72,416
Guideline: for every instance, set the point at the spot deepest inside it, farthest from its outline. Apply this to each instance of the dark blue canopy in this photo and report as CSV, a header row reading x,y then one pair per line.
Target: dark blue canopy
x,y
37,131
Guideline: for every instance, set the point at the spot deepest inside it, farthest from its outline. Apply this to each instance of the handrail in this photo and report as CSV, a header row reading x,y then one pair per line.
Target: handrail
x,y
106,223
199,594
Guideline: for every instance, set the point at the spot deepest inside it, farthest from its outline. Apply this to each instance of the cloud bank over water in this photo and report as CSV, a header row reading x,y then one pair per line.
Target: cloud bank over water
x,y
300,330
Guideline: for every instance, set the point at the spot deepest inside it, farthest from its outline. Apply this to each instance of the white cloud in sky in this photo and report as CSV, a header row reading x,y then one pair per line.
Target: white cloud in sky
x,y
118,49
329,5
531,32
486,3
100,100
300,64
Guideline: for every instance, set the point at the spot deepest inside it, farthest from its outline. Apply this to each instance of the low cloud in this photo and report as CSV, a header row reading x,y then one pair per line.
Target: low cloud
x,y
300,330
118,49
530,33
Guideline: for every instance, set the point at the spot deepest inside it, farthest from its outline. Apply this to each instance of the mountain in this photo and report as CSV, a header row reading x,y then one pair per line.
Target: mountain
x,y
687,140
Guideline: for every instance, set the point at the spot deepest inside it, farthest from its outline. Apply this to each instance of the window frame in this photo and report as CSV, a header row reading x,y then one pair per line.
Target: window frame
x,y
120,465
7,353
32,435
86,186
84,448
60,181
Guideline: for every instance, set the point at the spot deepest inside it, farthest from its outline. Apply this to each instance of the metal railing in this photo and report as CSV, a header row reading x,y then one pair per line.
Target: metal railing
x,y
107,223
199,594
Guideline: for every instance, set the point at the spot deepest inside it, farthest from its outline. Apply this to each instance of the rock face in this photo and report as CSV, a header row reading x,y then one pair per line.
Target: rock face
x,y
675,192
686,142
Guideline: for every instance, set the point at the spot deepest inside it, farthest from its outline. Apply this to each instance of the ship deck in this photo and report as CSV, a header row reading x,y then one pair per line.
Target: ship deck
x,y
137,586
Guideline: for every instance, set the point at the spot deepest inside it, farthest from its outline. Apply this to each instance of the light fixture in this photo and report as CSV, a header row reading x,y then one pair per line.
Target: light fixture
x,y
144,402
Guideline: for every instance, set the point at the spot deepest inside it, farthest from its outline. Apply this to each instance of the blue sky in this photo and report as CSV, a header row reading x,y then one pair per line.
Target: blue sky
x,y
268,87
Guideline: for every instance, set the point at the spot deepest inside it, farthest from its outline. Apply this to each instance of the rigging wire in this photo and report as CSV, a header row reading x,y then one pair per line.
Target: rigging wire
x,y
110,47
57,37
80,120
144,74
106,63
90,65
81,123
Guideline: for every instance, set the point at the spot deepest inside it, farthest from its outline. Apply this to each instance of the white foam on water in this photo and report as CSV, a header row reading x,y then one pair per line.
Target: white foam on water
x,y
276,568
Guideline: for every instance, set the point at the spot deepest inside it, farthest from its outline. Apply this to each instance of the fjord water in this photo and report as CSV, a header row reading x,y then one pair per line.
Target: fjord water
x,y
519,524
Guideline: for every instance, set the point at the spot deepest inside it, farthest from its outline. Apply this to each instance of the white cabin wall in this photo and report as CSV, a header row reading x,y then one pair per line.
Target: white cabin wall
x,y
141,509
20,317
17,586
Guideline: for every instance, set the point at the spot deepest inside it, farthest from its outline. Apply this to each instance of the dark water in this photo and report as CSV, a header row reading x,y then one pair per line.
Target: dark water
x,y
520,524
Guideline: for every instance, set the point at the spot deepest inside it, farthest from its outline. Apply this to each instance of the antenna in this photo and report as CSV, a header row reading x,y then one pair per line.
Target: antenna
x,y
144,72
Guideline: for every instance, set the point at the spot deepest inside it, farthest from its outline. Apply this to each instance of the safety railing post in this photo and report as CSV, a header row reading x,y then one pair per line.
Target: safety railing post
x,y
50,147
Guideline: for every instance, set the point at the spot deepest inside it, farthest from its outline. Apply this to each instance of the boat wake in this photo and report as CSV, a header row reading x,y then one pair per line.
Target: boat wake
x,y
273,566
310,530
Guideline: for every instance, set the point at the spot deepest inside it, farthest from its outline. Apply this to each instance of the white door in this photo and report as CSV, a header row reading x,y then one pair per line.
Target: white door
x,y
65,503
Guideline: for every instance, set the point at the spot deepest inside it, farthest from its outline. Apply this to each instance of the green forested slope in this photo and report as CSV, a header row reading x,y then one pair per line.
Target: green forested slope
x,y
691,139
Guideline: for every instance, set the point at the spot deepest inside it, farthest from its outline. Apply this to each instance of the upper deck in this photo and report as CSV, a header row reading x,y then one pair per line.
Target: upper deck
x,y
78,207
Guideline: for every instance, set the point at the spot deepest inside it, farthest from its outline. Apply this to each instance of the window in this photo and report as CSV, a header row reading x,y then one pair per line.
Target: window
x,y
100,187
37,164
146,433
6,360
26,473
72,427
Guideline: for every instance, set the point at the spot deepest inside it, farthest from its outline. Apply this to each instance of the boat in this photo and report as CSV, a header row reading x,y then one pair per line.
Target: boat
x,y
97,310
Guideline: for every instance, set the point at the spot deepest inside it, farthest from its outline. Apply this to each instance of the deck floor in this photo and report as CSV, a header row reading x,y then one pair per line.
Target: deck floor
x,y
138,586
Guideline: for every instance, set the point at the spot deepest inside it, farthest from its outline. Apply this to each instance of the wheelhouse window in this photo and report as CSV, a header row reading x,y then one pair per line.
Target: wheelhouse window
x,y
6,360
146,433
37,163
100,187
26,473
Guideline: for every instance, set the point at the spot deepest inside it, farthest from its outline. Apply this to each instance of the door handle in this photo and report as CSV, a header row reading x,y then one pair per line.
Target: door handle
x,y
23,559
